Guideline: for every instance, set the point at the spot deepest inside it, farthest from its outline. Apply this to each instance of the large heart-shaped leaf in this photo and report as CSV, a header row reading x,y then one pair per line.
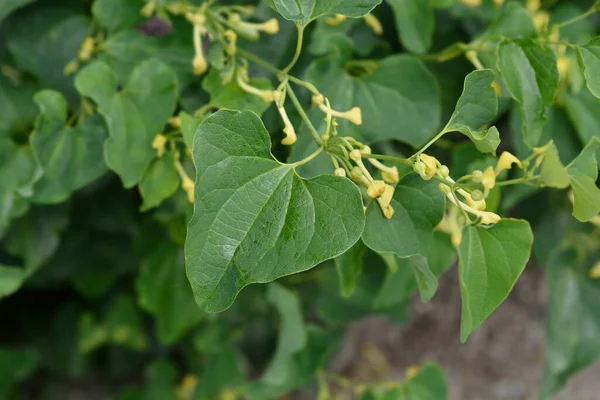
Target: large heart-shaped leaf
x,y
415,21
304,11
490,262
255,219
134,115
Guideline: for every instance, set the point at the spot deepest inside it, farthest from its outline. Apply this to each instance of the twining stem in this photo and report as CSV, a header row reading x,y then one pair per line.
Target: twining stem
x,y
432,141
298,50
298,106
306,159
595,8
517,181
385,157
259,61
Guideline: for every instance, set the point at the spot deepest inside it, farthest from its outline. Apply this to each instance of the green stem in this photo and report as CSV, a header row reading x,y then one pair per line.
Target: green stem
x,y
428,144
259,61
578,18
385,157
303,115
517,181
306,159
297,52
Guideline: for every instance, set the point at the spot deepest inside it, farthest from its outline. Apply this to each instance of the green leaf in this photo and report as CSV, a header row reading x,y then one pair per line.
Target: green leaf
x,y
292,334
11,279
232,96
189,125
124,324
429,384
531,76
589,59
418,208
405,106
584,112
44,40
18,172
134,115
573,321
115,15
304,11
17,109
477,107
349,266
415,22
553,171
490,262
513,22
224,370
160,181
426,280
164,291
36,236
583,172
70,157
16,365
255,219
9,6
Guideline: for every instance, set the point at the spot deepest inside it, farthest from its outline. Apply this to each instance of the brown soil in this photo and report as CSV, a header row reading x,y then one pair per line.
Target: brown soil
x,y
502,360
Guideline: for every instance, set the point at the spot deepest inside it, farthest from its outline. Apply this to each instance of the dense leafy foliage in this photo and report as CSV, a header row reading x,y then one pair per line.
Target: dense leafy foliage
x,y
163,162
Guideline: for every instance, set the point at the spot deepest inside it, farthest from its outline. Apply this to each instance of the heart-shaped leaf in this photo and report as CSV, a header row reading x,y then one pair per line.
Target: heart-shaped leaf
x,y
255,219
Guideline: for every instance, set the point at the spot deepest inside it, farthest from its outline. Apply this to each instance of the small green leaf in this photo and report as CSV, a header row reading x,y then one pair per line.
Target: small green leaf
x,y
189,125
589,58
418,208
255,219
415,22
292,335
429,384
232,96
115,15
304,11
134,115
124,324
583,171
16,365
70,157
164,291
573,321
583,110
531,76
490,262
11,279
553,171
159,182
348,267
477,107
426,280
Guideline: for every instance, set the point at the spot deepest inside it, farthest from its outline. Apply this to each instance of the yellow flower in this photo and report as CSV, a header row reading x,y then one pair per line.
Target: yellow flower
x,y
158,144
376,189
506,161
175,122
540,20
533,5
353,115
339,172
373,23
288,129
335,20
87,48
489,218
595,271
391,175
488,179
431,165
386,197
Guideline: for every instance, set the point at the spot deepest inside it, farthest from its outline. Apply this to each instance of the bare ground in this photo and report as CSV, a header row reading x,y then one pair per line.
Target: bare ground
x,y
502,360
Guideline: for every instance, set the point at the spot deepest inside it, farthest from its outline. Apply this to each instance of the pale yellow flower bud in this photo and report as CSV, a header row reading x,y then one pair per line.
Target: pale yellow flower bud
x,y
444,171
477,195
373,23
356,156
148,9
199,64
288,129
595,271
498,3
488,179
476,204
335,20
431,164
340,172
159,143
476,176
386,196
444,189
489,218
376,189
540,20
456,238
270,27
391,175
87,49
562,64
506,160
533,5
472,3
175,122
